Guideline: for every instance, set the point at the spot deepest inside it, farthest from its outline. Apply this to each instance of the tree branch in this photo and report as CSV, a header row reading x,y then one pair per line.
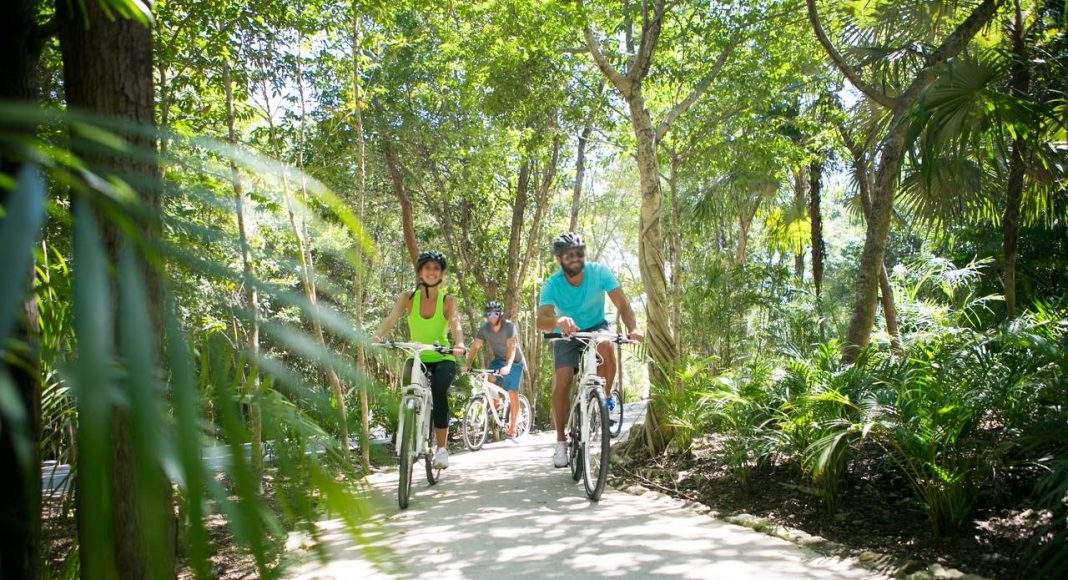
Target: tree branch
x,y
839,62
702,86
950,47
650,37
621,83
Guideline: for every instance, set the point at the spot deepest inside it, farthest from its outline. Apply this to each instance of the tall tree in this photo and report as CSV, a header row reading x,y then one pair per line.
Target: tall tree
x,y
21,40
1020,87
250,293
815,217
628,84
107,70
361,196
307,260
892,148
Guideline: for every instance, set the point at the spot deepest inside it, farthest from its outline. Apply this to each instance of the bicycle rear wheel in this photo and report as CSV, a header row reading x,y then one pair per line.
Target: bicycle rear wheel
x,y
615,417
433,474
476,423
407,456
574,449
596,445
523,419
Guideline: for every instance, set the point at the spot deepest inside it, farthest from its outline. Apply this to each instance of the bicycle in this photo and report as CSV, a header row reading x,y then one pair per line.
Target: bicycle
x,y
415,436
587,430
615,411
484,394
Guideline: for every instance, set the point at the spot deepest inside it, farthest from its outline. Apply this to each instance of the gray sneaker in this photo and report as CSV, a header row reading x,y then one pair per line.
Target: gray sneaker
x,y
441,458
560,455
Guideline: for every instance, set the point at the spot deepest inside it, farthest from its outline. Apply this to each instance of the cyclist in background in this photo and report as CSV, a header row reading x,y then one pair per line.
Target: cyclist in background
x,y
503,338
432,316
572,300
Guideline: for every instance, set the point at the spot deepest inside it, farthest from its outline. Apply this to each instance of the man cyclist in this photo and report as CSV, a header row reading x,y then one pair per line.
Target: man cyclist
x,y
503,338
432,316
572,300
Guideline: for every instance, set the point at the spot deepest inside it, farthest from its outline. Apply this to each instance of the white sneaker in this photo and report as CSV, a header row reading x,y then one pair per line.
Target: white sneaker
x,y
441,458
560,455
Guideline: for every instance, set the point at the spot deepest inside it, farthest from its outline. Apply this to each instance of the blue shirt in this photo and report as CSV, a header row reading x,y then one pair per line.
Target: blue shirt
x,y
583,303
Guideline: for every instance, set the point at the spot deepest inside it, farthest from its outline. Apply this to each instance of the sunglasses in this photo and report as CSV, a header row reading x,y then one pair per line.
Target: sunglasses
x,y
573,254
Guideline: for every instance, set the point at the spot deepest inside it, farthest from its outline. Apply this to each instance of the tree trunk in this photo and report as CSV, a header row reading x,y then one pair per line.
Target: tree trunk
x,y
1010,220
361,196
815,218
20,512
548,177
251,294
580,172
864,187
397,178
307,263
886,297
661,346
800,202
676,258
164,110
871,258
515,236
107,68
744,221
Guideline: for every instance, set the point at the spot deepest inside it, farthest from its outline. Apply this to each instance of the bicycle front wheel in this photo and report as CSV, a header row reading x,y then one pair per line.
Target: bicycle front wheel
x,y
476,423
596,446
615,416
407,456
574,447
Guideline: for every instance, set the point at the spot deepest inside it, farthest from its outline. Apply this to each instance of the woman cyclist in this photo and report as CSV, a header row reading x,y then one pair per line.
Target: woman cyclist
x,y
432,316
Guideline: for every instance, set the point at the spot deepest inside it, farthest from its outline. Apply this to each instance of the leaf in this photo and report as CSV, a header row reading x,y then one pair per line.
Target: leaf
x,y
19,234
92,379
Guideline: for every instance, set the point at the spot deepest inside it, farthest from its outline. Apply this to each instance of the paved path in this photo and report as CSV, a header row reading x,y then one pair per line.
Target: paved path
x,y
505,512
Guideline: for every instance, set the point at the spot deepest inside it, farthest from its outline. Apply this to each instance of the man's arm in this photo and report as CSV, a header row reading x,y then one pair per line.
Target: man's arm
x,y
625,312
546,317
476,345
510,345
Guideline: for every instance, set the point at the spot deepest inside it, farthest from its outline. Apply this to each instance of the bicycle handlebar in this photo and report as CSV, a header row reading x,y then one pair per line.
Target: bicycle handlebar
x,y
591,336
416,346
488,372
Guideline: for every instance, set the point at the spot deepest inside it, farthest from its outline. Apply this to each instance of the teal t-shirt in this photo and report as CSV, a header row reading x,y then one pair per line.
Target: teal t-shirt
x,y
583,303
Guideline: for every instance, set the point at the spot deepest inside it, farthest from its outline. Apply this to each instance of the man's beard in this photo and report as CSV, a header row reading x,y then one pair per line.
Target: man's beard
x,y
573,270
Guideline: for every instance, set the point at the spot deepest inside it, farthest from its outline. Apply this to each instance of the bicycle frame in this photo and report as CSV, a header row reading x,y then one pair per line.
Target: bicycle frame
x,y
416,394
588,379
491,391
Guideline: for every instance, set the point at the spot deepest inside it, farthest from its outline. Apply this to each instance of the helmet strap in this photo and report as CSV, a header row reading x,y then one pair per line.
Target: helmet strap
x,y
427,287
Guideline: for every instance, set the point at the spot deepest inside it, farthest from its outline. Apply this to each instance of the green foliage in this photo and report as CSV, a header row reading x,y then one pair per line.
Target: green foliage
x,y
949,413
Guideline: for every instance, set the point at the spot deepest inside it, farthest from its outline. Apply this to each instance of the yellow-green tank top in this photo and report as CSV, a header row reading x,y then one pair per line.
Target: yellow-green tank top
x,y
430,330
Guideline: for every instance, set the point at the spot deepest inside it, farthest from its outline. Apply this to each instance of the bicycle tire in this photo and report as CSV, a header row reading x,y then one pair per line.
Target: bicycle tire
x,y
475,441
433,474
574,450
407,459
597,445
617,415
523,419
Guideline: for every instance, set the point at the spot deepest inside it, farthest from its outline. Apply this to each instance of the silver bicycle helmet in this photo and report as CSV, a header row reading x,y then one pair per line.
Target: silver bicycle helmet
x,y
567,241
